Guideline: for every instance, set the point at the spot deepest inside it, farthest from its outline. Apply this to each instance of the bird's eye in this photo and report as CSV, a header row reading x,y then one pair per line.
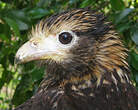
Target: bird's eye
x,y
65,38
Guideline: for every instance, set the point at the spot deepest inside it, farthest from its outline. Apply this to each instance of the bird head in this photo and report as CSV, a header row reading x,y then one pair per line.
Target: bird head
x,y
75,45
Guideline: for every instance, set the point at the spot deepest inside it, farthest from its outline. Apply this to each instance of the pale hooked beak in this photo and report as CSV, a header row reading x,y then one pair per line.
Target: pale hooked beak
x,y
35,49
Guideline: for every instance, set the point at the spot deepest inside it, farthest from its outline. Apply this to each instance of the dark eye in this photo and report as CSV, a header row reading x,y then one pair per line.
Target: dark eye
x,y
65,38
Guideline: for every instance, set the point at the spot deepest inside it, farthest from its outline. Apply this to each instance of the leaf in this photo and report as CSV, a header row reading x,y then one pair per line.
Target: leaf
x,y
72,1
44,3
123,14
135,37
38,13
6,78
11,58
18,15
137,78
37,74
13,25
22,89
135,34
1,98
3,37
86,3
122,27
5,31
22,25
137,47
134,60
1,28
117,4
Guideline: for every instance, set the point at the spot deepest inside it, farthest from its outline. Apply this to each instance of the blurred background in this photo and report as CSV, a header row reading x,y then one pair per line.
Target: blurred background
x,y
17,84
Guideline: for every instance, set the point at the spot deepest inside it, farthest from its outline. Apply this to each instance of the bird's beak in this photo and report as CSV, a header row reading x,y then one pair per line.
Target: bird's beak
x,y
35,49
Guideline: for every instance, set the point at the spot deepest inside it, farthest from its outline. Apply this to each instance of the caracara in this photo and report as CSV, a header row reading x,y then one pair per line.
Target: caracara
x,y
86,66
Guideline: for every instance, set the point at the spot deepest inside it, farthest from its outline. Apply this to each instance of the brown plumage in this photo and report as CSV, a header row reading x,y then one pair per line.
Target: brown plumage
x,y
86,64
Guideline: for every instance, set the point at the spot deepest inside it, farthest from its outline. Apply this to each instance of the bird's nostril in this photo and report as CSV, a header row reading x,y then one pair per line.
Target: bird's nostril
x,y
34,44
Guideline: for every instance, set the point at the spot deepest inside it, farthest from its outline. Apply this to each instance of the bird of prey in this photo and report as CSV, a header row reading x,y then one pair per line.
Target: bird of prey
x,y
86,64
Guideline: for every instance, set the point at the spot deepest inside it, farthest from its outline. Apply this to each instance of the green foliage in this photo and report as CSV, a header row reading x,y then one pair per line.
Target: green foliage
x,y
18,16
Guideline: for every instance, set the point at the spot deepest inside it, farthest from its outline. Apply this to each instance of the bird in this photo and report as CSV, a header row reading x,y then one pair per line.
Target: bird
x,y
85,60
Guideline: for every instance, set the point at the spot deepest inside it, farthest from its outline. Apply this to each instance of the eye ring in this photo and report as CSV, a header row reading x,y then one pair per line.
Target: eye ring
x,y
65,37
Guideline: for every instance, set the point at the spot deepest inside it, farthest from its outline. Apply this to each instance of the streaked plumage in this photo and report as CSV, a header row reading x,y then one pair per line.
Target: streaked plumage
x,y
88,73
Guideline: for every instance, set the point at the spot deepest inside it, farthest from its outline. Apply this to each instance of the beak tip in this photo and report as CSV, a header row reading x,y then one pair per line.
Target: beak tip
x,y
17,61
